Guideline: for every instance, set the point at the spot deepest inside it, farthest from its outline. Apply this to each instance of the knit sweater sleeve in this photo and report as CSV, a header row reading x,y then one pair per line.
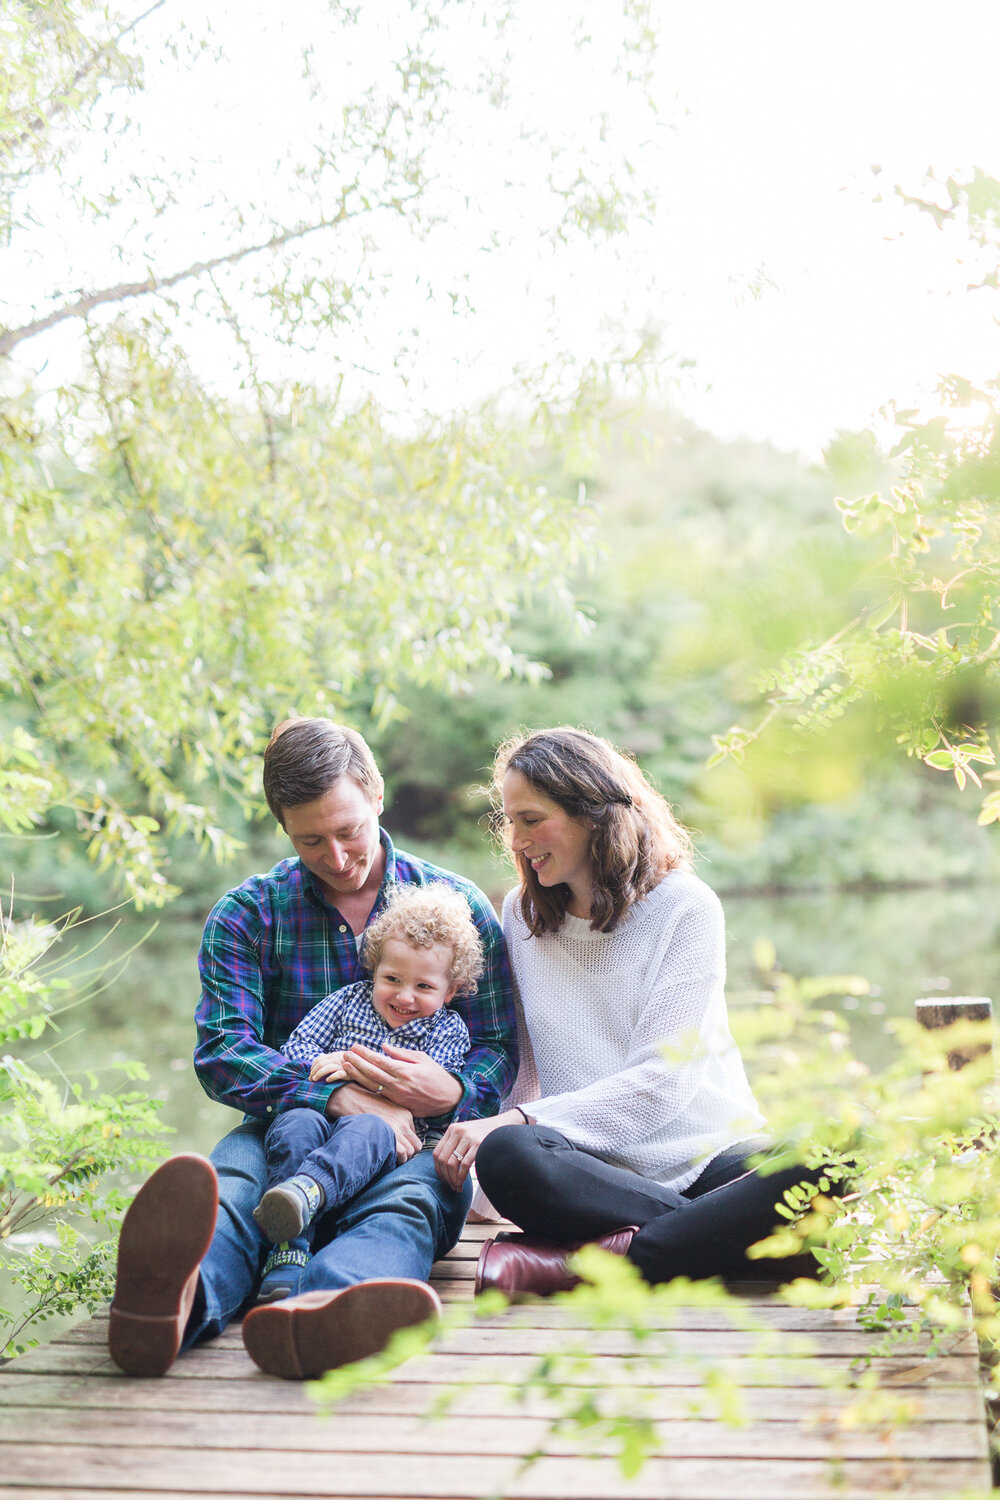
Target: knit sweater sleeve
x,y
664,1024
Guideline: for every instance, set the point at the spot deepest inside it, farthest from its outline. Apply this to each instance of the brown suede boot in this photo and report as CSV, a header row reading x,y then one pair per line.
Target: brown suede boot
x,y
165,1235
522,1267
301,1337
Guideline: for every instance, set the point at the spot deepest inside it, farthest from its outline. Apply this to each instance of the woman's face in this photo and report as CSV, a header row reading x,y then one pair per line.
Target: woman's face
x,y
555,845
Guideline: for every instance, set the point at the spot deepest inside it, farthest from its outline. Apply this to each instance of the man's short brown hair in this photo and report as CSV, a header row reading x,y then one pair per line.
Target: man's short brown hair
x,y
305,758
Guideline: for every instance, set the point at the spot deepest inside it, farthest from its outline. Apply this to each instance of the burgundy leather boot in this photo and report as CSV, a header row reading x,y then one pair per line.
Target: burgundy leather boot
x,y
520,1266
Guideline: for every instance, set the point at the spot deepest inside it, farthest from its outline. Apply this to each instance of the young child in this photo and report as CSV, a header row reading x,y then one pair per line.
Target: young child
x,y
422,950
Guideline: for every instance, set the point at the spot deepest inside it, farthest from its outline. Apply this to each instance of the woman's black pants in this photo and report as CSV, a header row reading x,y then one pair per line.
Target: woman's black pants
x,y
550,1188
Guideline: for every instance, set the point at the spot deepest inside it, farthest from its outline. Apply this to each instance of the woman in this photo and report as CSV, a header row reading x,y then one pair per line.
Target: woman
x,y
632,1107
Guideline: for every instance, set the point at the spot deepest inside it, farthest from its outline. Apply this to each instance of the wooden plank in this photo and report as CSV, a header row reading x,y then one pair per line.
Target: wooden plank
x,y
72,1427
861,1488
447,1477
937,1404
520,1338
479,1434
832,1492
478,1232
766,1314
209,1363
710,1343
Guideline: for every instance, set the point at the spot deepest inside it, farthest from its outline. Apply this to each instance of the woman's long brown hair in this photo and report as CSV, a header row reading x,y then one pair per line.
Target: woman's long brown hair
x,y
635,839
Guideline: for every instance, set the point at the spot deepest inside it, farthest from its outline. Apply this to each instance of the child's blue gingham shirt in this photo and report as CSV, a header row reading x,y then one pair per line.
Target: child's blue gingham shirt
x,y
274,948
348,1016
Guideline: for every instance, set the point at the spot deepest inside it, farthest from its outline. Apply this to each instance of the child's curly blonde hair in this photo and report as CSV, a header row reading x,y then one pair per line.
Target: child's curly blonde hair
x,y
424,915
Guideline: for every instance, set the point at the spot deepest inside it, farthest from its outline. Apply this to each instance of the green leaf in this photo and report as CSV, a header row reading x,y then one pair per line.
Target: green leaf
x,y
882,615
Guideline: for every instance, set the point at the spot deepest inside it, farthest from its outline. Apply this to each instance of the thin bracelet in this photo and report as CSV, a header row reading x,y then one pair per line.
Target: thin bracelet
x,y
521,1112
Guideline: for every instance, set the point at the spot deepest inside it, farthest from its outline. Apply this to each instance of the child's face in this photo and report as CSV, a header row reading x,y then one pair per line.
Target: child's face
x,y
411,982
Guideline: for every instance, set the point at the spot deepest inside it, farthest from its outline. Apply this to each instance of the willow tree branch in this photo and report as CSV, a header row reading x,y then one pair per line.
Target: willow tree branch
x,y
37,125
11,337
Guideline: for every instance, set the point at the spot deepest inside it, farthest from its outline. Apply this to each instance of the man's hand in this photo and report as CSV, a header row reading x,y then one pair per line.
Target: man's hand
x,y
328,1067
404,1077
351,1100
456,1150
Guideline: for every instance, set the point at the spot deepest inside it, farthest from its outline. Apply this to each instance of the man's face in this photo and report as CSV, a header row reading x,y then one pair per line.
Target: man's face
x,y
336,837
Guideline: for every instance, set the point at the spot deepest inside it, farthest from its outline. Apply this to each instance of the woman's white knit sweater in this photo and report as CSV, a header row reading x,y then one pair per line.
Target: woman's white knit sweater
x,y
624,1035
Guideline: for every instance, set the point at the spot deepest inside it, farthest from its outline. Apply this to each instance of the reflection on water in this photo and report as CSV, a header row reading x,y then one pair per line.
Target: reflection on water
x,y
907,944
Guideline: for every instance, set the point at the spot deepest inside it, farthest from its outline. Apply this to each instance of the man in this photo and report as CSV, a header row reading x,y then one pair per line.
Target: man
x,y
272,949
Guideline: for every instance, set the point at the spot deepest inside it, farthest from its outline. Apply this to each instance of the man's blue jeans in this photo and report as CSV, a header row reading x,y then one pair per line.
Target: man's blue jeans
x,y
398,1226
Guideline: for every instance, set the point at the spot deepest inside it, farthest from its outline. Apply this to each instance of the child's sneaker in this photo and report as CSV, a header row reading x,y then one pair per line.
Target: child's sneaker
x,y
288,1209
283,1272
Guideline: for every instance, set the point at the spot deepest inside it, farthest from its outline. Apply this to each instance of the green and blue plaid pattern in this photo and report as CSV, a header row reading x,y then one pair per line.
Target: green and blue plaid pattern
x,y
273,948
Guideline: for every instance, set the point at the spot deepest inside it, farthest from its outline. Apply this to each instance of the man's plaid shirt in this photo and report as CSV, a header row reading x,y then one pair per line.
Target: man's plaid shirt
x,y
348,1016
273,948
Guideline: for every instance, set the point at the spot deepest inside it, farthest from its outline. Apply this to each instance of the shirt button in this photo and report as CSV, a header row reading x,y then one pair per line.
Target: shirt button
x,y
269,1108
343,928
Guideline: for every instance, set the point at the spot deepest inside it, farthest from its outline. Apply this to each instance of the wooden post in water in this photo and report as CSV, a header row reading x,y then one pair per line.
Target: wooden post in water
x,y
937,1012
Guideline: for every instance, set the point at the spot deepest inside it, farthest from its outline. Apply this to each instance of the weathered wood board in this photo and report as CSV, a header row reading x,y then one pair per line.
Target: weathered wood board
x,y
72,1427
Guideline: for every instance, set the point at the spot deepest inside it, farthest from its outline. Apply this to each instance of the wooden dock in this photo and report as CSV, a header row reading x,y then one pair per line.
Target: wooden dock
x,y
73,1428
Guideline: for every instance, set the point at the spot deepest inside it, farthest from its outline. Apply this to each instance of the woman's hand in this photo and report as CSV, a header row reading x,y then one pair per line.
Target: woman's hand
x,y
404,1077
328,1067
456,1150
350,1100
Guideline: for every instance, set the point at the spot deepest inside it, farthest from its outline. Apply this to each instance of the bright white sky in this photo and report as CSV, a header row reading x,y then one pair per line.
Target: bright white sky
x,y
789,106
804,304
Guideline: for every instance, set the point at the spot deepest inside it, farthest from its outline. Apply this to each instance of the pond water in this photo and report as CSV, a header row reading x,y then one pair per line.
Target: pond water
x,y
906,944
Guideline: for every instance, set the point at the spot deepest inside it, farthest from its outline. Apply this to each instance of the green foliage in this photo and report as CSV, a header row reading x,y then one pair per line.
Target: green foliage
x,y
919,640
613,1296
903,1222
910,1143
157,625
717,555
365,158
61,1140
592,1413
189,557
57,60
183,566
639,661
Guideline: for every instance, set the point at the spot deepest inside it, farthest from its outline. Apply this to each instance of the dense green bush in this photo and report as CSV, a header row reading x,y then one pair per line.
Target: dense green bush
x,y
64,1142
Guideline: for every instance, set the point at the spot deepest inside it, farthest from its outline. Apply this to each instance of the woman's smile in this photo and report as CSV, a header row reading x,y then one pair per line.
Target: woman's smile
x,y
564,857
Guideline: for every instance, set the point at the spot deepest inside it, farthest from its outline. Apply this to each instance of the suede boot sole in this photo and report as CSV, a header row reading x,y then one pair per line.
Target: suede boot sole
x,y
165,1236
304,1336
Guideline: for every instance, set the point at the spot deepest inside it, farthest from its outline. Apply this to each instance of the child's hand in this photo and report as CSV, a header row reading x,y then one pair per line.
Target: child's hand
x,y
327,1068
